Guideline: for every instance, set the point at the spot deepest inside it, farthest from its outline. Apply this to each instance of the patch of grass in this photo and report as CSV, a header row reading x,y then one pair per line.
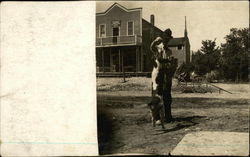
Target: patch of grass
x,y
117,84
121,87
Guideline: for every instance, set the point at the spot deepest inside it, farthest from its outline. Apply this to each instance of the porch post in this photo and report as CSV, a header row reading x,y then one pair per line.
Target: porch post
x,y
119,59
123,71
136,60
102,59
141,58
110,61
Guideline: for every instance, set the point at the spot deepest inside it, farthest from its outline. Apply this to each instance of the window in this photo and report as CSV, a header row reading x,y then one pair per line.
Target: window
x,y
130,28
179,47
102,30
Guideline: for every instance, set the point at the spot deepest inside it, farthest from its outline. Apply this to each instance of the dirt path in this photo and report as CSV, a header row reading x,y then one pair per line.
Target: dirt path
x,y
223,95
124,121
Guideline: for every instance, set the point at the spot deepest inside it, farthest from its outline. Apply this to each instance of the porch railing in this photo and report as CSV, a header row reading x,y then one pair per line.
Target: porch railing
x,y
113,69
118,40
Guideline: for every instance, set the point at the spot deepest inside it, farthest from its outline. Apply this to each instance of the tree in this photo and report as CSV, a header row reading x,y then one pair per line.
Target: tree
x,y
212,54
199,63
206,58
234,61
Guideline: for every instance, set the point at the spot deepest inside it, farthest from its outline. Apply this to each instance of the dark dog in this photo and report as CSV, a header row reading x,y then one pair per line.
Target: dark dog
x,y
157,109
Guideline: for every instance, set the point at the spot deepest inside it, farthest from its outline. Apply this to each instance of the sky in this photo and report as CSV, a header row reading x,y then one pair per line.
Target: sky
x,y
206,20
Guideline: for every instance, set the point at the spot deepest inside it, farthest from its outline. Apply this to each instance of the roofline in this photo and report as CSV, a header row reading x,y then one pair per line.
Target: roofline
x,y
120,6
152,25
183,42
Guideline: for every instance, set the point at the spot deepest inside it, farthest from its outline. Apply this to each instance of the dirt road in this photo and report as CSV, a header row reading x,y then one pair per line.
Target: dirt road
x,y
124,124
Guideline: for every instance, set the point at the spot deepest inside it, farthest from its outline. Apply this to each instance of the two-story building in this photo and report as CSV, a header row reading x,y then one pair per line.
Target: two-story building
x,y
123,41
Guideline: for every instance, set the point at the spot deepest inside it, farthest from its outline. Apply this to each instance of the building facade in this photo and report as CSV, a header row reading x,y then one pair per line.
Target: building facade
x,y
123,41
181,47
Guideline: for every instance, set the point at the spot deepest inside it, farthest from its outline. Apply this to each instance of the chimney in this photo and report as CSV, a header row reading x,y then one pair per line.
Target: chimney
x,y
152,33
152,19
185,31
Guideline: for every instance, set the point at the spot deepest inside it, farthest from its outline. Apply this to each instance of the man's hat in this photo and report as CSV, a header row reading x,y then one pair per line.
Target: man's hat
x,y
168,33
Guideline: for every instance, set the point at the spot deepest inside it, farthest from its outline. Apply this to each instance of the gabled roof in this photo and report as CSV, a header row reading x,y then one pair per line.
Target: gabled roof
x,y
177,41
120,6
151,25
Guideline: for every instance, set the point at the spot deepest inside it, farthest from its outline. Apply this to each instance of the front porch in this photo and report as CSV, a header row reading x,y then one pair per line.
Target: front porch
x,y
118,40
119,59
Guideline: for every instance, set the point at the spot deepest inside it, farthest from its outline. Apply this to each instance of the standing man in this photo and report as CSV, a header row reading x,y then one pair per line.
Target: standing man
x,y
166,72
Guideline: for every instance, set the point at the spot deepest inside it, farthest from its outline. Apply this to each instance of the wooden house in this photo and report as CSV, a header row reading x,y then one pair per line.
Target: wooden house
x,y
181,47
123,41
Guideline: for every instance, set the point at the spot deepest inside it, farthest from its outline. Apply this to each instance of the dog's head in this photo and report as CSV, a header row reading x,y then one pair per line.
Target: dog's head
x,y
154,103
150,106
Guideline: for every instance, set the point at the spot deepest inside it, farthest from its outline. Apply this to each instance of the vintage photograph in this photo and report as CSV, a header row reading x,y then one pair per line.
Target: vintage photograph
x,y
172,77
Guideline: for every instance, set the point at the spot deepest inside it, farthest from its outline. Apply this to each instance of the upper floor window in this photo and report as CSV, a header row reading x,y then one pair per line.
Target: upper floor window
x,y
102,30
130,28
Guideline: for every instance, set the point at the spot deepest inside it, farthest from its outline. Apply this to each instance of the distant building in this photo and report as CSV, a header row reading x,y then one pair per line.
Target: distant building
x,y
123,41
181,47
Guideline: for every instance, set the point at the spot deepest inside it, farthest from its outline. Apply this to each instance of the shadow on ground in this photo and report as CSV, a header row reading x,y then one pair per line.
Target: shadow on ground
x,y
105,130
197,102
182,123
